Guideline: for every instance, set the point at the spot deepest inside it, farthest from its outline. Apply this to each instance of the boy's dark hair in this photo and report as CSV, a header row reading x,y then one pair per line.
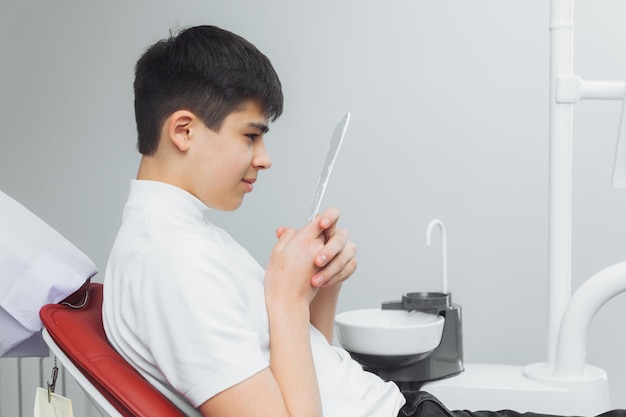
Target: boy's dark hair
x,y
206,70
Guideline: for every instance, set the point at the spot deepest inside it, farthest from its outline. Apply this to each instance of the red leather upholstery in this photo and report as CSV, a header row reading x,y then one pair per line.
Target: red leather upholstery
x,y
80,334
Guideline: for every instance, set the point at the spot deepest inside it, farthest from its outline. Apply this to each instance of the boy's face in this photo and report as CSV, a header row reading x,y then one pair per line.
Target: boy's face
x,y
222,166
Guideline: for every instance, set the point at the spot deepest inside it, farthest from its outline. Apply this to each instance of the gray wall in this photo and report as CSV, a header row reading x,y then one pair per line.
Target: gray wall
x,y
449,102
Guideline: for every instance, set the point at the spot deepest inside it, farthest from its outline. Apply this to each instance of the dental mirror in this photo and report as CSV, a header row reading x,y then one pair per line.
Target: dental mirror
x,y
329,162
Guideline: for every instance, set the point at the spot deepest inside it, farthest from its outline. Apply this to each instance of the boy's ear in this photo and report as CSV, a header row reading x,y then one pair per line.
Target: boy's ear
x,y
179,128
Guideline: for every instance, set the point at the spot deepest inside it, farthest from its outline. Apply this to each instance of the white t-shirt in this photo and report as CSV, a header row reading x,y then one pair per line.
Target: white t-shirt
x,y
185,304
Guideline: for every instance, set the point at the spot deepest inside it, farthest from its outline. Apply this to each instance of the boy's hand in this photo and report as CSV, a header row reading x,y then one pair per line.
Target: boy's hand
x,y
337,259
292,263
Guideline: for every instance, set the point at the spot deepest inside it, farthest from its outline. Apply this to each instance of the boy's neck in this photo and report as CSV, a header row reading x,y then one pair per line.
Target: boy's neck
x,y
147,169
150,168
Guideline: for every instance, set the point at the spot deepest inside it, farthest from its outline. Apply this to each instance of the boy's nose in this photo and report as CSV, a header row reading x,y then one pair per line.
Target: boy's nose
x,y
261,158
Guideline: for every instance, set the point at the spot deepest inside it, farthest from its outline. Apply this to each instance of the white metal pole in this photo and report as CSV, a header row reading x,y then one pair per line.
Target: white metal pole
x,y
560,215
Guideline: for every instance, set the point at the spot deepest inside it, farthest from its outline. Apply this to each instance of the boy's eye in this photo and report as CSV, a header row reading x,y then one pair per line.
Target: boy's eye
x,y
252,136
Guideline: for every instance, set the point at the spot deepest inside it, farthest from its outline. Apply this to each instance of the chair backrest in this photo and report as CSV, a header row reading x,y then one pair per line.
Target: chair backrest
x,y
79,334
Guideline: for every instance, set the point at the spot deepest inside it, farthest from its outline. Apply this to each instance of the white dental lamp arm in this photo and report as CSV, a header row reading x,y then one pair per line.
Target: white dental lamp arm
x,y
571,89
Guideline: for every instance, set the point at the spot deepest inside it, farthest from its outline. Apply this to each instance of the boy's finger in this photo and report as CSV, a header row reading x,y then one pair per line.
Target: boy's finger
x,y
280,231
324,224
334,275
335,244
315,227
343,263
284,235
328,219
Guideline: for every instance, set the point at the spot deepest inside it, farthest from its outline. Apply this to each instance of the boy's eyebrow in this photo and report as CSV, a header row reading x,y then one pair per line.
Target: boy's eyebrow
x,y
263,127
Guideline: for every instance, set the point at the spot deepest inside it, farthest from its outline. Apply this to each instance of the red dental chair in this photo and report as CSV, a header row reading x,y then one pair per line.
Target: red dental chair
x,y
76,337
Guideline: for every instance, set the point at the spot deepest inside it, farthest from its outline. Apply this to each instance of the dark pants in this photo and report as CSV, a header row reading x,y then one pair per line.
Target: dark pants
x,y
423,404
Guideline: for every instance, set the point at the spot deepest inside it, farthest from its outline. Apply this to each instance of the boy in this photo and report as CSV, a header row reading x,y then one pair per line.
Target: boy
x,y
184,303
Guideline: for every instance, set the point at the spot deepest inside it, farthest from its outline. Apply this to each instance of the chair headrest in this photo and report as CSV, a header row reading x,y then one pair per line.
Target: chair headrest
x,y
79,333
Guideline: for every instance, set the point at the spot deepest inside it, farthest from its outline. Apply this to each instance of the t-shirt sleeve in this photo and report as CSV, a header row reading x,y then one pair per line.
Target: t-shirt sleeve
x,y
197,319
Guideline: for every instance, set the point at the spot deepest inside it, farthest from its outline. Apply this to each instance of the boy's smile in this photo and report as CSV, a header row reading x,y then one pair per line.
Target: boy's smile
x,y
248,183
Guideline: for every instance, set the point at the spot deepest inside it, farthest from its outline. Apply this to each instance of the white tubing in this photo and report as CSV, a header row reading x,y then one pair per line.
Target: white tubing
x,y
588,299
560,216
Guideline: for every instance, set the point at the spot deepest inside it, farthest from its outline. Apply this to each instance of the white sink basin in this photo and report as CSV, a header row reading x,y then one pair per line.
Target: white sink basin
x,y
389,332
